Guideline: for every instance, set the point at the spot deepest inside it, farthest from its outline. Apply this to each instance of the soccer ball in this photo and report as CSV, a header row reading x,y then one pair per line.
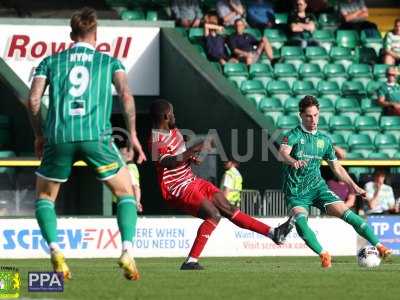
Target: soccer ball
x,y
368,257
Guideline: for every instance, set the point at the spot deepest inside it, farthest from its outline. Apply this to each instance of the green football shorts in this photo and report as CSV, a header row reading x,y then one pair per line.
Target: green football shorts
x,y
101,155
319,197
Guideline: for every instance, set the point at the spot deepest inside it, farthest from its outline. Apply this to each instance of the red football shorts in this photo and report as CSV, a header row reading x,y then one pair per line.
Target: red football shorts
x,y
195,193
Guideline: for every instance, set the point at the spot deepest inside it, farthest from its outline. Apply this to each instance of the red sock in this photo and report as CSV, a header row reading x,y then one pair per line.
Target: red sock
x,y
203,233
245,221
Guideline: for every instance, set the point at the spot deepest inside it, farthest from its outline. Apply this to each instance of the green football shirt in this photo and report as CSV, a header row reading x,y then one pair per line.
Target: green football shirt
x,y
80,94
311,147
391,92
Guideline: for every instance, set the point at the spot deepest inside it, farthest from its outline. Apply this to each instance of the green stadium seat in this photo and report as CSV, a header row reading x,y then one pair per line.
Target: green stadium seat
x,y
341,55
328,21
216,66
339,140
367,125
276,37
317,55
7,154
371,108
291,106
252,87
325,38
326,108
378,155
255,99
281,18
271,107
372,88
386,143
366,55
182,31
261,72
336,73
380,72
311,72
391,124
303,88
196,35
293,55
235,69
329,89
285,72
347,38
358,171
132,15
353,89
323,124
396,156
152,16
360,142
237,80
342,125
375,43
288,122
356,155
199,49
361,73
277,53
254,32
279,89
348,107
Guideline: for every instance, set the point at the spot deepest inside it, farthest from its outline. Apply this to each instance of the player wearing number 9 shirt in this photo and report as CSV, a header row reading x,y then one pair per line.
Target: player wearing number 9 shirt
x,y
78,127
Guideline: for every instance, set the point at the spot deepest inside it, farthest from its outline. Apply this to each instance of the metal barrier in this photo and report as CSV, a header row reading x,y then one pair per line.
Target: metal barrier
x,y
271,204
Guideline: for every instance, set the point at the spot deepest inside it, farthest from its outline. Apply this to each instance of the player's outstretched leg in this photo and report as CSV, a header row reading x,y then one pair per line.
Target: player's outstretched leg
x,y
211,217
126,218
359,225
245,221
47,220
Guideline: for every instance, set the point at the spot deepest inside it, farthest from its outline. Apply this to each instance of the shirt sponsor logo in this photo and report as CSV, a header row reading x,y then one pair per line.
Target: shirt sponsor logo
x,y
320,143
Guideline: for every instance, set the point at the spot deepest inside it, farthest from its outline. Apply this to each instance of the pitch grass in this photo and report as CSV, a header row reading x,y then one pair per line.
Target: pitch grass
x,y
280,278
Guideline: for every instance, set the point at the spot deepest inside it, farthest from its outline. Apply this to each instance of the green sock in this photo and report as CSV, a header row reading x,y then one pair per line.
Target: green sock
x,y
47,219
307,234
360,226
127,217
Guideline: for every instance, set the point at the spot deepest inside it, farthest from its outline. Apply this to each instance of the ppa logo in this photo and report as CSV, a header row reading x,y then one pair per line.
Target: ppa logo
x,y
45,282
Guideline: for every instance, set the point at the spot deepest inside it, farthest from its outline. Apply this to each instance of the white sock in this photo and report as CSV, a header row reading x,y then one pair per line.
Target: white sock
x,y
192,260
128,247
270,234
54,246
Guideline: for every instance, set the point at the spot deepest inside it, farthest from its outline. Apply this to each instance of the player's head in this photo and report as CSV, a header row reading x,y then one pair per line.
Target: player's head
x,y
162,114
309,112
84,25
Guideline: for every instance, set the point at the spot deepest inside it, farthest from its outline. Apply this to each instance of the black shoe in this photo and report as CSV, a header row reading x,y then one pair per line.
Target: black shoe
x,y
191,266
282,231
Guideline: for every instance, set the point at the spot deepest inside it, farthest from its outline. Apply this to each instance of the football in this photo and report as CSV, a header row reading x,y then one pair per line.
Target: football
x,y
368,257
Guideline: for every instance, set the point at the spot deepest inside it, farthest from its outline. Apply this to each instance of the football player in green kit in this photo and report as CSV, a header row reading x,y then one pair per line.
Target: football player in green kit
x,y
302,150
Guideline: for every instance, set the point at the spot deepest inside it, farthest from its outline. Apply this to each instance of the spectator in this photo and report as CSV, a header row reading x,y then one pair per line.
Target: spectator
x,y
354,15
301,25
260,14
187,13
380,197
389,93
341,189
232,182
392,45
245,47
230,11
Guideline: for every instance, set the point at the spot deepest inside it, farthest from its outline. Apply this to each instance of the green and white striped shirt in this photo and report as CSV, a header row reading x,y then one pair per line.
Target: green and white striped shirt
x,y
80,93
392,42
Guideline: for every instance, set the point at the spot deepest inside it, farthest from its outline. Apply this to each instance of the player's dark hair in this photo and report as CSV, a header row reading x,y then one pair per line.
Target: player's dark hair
x,y
158,109
83,22
307,102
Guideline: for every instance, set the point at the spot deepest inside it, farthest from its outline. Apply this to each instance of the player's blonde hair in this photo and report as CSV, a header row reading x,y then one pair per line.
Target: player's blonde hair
x,y
83,22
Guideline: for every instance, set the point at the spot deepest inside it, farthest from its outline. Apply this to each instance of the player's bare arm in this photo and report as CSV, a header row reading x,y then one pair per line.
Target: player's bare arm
x,y
284,152
35,95
129,112
172,162
342,175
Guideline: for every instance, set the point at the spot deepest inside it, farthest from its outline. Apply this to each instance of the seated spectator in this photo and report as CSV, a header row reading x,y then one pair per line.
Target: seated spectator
x,y
245,47
392,45
230,11
380,197
260,14
187,13
354,15
341,189
389,93
215,45
301,25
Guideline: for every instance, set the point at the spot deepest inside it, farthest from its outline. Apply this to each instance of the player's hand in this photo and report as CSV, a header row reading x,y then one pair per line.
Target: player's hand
x,y
39,144
298,164
139,207
359,191
138,149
